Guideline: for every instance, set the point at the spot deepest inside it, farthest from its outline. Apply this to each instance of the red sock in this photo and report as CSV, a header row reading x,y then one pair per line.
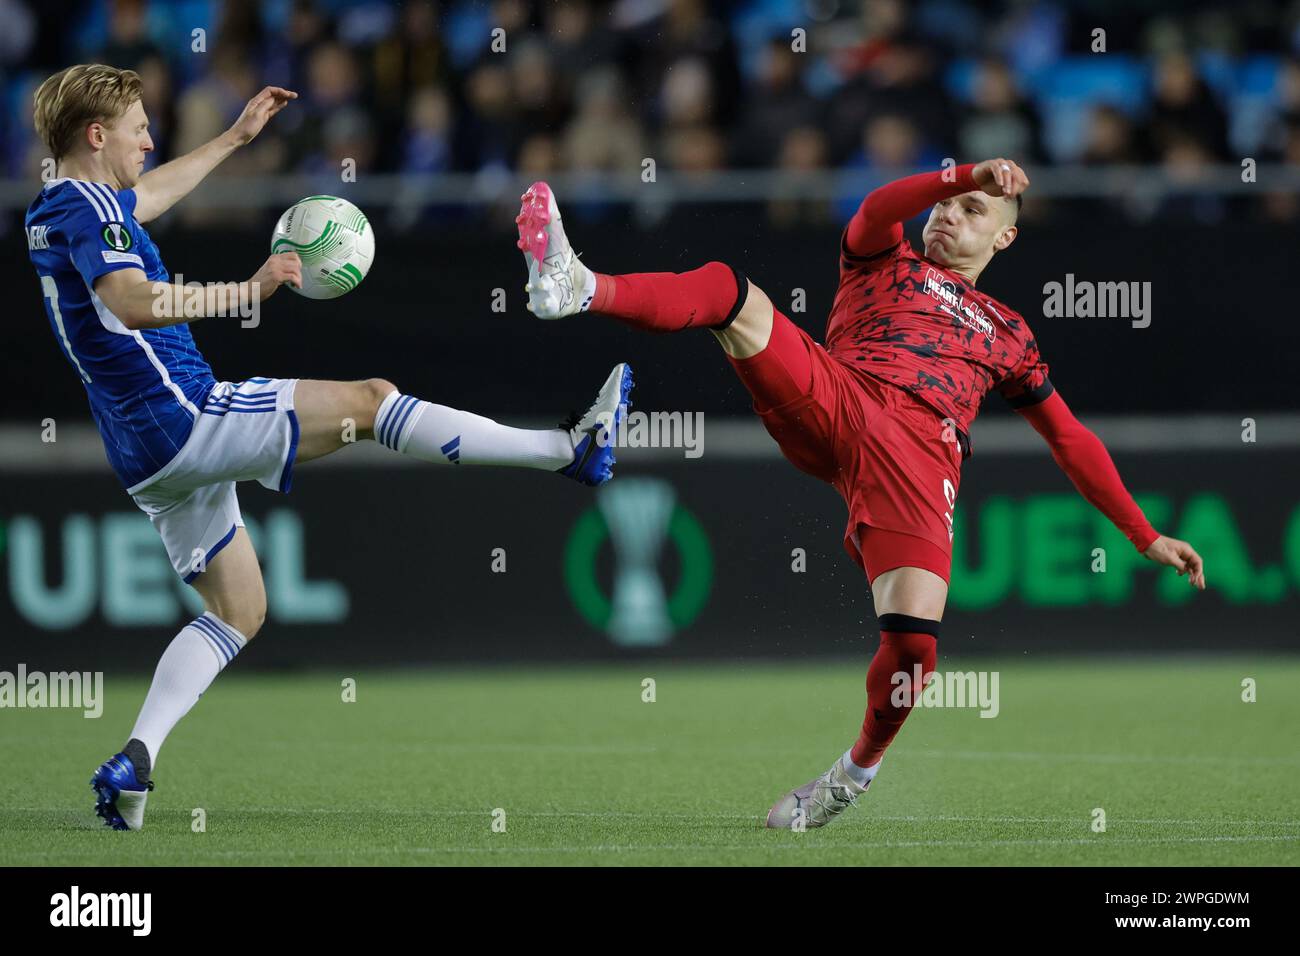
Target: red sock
x,y
671,301
904,643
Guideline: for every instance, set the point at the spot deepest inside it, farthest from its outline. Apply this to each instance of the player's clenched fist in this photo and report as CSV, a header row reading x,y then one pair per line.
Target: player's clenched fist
x,y
1000,177
276,271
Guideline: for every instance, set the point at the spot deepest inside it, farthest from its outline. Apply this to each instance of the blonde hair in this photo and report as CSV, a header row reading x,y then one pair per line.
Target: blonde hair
x,y
82,94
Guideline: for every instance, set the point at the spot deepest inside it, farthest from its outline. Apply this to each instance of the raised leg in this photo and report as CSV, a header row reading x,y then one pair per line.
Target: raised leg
x,y
334,414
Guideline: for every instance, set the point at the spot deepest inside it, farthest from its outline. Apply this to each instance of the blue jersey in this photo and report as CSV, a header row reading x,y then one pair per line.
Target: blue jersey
x,y
146,387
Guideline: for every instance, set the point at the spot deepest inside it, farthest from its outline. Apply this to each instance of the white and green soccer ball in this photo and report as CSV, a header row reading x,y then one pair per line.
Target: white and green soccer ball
x,y
334,240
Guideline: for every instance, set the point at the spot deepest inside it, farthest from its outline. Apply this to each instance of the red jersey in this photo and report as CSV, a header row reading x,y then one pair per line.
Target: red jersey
x,y
906,319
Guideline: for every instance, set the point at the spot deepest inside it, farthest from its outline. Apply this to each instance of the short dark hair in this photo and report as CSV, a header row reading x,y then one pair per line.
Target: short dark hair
x,y
1019,202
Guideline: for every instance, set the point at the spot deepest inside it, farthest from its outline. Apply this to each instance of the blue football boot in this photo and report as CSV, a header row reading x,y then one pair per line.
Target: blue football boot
x,y
120,794
596,433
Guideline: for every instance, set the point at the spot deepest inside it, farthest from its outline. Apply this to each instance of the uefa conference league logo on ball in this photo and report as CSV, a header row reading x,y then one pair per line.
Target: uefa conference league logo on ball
x,y
640,516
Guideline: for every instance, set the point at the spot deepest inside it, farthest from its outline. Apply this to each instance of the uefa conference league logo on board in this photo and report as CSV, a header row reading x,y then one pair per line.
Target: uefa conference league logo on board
x,y
640,516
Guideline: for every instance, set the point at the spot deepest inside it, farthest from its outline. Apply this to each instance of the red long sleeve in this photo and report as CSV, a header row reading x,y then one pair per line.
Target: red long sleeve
x,y
877,225
1084,458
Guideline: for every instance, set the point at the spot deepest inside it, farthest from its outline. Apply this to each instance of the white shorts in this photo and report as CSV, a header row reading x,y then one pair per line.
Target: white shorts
x,y
247,431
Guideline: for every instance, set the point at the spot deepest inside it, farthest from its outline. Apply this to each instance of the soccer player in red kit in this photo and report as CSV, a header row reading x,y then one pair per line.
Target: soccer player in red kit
x,y
881,411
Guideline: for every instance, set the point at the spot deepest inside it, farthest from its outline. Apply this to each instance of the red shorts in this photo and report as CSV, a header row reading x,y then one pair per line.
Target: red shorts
x,y
891,456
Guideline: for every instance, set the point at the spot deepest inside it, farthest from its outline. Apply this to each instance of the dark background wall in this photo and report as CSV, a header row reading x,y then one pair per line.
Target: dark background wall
x,y
1224,334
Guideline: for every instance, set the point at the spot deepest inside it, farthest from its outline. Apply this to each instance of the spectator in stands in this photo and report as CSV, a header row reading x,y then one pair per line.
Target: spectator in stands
x,y
777,104
689,142
578,37
890,142
686,97
333,85
539,158
403,67
604,134
687,31
347,146
803,152
1109,138
412,57
488,137
19,36
999,121
427,141
287,52
891,69
25,155
1183,107
207,109
1284,205
128,43
539,99
160,106
694,149
1186,161
589,85
1286,110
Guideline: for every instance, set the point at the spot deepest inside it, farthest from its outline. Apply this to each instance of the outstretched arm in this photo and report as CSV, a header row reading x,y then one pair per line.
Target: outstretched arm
x,y
159,189
878,223
139,303
1084,458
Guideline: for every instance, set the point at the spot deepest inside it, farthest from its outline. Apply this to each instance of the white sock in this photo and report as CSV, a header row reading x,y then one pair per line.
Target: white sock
x,y
861,775
440,434
587,292
191,662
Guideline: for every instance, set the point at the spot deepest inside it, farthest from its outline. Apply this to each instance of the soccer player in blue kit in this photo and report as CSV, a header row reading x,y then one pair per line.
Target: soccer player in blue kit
x,y
178,438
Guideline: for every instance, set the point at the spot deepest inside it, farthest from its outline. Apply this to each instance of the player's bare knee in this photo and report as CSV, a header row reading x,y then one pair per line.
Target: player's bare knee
x,y
749,327
373,393
378,389
913,592
756,312
251,621
245,616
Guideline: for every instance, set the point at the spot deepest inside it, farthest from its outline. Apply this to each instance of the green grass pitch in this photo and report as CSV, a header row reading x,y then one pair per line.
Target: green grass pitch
x,y
588,773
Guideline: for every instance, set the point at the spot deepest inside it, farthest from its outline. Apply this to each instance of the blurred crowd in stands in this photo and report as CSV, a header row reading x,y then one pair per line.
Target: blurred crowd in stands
x,y
582,85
